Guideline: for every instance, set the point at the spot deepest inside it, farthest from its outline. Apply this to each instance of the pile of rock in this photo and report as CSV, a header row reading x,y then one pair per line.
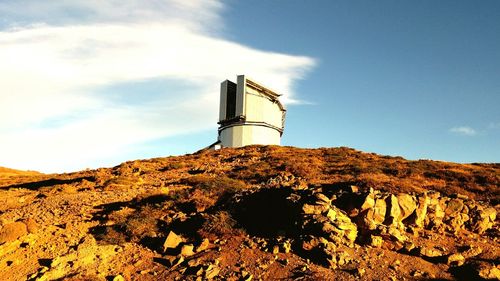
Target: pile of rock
x,y
394,214
327,227
324,219
382,219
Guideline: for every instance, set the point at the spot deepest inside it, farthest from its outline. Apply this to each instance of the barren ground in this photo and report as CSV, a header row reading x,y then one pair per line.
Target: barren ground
x,y
255,213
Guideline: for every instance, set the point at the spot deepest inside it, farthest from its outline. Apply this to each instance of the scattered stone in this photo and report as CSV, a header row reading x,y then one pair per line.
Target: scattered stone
x,y
334,223
376,241
435,211
354,189
396,234
409,246
212,271
313,209
276,249
246,276
173,240
455,259
203,245
320,197
287,246
417,273
118,278
177,261
360,271
489,271
193,262
472,251
187,250
343,258
379,211
429,252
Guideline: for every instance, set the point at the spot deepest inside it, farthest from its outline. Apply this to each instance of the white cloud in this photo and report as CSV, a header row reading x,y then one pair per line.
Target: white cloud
x,y
54,114
464,131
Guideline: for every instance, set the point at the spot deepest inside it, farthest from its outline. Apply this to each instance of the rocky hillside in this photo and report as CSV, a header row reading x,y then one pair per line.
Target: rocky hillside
x,y
255,213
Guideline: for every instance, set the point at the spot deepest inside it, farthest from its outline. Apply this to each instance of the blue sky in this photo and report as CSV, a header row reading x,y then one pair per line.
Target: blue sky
x,y
94,83
419,79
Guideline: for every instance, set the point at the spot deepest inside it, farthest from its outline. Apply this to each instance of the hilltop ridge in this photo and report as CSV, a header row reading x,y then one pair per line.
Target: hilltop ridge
x,y
258,212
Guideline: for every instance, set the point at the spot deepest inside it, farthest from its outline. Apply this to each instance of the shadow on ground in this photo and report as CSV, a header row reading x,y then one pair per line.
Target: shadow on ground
x,y
50,182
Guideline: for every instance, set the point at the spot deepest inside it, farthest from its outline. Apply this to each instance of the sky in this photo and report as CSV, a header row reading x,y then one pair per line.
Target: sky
x,y
88,83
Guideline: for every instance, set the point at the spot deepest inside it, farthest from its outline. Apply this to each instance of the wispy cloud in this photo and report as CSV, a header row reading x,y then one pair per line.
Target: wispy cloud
x,y
463,130
494,125
55,114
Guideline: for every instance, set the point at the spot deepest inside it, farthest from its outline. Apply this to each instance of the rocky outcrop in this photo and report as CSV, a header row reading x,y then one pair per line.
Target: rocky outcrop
x,y
427,210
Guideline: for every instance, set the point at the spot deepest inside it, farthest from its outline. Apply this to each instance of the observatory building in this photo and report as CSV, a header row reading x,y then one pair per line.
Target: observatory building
x,y
249,114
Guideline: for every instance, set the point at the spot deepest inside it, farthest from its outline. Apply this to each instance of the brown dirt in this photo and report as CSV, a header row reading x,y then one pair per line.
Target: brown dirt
x,y
107,224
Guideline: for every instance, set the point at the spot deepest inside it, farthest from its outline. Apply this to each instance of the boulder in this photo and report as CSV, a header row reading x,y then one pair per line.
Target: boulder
x,y
483,219
369,201
420,211
407,204
379,211
454,207
374,215
12,231
393,215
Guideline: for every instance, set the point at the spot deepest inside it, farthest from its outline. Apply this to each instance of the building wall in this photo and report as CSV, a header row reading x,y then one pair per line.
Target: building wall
x,y
260,109
241,135
223,100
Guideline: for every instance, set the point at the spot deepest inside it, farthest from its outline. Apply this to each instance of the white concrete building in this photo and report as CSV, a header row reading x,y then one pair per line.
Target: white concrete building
x,y
249,114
